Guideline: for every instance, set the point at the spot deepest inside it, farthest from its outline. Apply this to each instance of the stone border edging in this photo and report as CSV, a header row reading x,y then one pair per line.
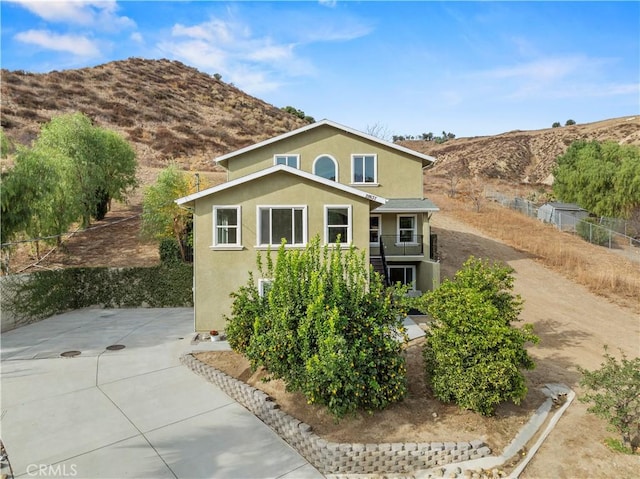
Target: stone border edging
x,y
338,458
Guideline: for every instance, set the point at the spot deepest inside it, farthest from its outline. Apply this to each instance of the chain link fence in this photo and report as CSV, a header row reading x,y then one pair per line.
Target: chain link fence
x,y
616,234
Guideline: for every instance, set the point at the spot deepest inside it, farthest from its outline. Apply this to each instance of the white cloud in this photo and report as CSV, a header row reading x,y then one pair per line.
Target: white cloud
x,y
100,14
328,3
75,44
136,37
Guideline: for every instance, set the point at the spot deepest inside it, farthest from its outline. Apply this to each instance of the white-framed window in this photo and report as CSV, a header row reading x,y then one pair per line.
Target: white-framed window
x,y
407,229
326,166
227,223
278,222
375,229
364,169
290,160
403,273
264,286
337,221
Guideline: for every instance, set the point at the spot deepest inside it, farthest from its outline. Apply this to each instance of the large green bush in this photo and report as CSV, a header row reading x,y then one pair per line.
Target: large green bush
x,y
473,355
327,326
46,293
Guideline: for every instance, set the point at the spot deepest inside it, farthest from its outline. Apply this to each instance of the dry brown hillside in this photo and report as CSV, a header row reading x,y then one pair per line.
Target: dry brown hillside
x,y
521,156
165,109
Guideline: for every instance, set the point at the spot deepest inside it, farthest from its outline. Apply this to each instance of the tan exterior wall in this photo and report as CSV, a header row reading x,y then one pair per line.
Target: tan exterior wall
x,y
399,174
220,272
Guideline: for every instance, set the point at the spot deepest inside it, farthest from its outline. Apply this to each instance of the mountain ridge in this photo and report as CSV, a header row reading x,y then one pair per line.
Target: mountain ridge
x,y
171,112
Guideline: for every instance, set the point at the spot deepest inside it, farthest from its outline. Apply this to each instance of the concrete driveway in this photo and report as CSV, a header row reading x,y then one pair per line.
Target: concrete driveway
x,y
133,412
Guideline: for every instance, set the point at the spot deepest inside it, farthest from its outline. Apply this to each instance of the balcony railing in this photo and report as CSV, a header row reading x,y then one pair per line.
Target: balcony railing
x,y
396,245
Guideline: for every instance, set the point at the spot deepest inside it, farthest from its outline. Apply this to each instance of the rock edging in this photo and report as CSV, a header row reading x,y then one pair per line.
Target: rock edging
x,y
339,458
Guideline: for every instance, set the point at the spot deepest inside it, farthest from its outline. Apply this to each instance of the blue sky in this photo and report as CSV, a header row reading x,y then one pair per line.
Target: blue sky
x,y
471,68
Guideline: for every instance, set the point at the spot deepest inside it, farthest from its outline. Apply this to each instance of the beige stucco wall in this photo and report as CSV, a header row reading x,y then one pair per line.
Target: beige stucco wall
x,y
219,272
399,173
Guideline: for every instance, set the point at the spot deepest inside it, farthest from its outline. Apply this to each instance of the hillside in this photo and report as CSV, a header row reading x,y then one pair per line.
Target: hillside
x,y
520,156
165,109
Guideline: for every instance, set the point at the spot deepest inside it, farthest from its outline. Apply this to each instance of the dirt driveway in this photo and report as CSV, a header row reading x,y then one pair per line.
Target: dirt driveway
x,y
573,325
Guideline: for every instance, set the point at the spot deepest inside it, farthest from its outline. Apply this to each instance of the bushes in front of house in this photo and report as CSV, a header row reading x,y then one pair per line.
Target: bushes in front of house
x,y
473,355
45,293
326,325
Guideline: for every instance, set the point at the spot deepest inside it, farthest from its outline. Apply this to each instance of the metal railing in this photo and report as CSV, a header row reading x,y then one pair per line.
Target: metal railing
x,y
396,245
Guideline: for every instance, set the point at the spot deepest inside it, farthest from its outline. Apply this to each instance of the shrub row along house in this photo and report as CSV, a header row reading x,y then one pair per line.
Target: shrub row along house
x,y
322,179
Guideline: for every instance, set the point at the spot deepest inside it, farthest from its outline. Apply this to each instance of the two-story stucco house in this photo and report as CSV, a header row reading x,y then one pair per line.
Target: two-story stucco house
x,y
322,179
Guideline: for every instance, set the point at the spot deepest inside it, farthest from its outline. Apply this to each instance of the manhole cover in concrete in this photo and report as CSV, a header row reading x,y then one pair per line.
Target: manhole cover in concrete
x,y
70,354
115,347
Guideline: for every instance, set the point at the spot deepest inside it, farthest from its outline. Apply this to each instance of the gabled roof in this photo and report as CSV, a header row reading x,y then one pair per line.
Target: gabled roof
x,y
286,169
426,159
407,205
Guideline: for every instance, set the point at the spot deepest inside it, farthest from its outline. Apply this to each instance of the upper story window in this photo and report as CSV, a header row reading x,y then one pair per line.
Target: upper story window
x,y
278,222
364,169
407,229
290,160
227,221
326,167
337,220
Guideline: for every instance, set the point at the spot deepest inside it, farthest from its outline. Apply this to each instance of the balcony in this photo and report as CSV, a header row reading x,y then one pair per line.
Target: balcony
x,y
402,245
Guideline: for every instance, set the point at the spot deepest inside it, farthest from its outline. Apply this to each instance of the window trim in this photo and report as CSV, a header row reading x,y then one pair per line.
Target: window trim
x,y
292,155
238,227
414,229
404,267
335,164
379,229
375,169
260,245
344,241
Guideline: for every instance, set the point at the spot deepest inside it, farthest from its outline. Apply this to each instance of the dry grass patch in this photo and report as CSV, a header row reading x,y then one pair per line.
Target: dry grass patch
x,y
604,272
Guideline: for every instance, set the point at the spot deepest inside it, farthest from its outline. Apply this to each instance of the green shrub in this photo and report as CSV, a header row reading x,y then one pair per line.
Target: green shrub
x,y
590,231
169,251
473,355
45,293
614,391
324,328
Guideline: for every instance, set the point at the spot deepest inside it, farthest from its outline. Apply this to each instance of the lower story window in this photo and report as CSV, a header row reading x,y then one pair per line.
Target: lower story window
x,y
264,286
276,223
404,274
338,224
227,225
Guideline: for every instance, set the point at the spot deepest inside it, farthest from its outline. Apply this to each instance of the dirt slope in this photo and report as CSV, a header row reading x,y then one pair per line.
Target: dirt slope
x,y
521,156
165,109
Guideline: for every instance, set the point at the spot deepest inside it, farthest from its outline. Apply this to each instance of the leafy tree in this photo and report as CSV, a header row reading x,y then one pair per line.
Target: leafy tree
x,y
38,197
325,328
603,178
569,123
102,163
162,218
614,392
556,124
473,355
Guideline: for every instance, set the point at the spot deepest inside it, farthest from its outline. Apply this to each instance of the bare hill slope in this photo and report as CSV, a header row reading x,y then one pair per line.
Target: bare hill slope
x,y
521,156
166,109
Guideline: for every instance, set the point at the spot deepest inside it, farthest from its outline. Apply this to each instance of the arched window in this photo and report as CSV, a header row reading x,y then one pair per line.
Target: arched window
x,y
326,167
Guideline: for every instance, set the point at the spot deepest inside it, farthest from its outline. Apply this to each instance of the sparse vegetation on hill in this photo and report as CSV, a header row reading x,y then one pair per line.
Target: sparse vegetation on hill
x,y
165,109
520,156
